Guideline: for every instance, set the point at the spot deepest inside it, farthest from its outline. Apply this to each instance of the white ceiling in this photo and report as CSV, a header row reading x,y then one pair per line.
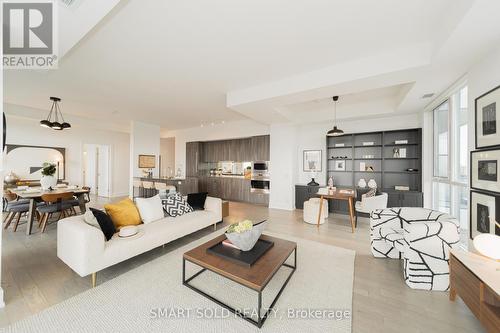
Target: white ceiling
x,y
180,63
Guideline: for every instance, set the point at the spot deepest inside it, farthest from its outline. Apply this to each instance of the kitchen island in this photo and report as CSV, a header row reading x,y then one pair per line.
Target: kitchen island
x,y
183,185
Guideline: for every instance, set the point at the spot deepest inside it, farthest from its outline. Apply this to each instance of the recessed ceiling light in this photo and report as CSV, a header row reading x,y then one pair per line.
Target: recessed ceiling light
x,y
428,95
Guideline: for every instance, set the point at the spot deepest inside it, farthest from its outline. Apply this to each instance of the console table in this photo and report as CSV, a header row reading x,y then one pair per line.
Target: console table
x,y
476,280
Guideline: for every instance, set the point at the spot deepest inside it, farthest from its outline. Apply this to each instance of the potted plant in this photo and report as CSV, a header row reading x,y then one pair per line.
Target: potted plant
x,y
48,179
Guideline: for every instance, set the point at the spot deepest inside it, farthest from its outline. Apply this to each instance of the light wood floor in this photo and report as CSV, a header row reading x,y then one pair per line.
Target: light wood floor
x,y
33,278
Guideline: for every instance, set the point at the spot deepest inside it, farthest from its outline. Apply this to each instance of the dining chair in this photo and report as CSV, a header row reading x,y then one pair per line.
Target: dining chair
x,y
55,203
15,211
75,202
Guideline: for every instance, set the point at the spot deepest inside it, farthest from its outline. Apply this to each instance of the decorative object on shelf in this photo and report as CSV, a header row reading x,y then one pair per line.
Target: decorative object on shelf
x,y
147,161
488,245
48,181
340,145
372,183
245,234
362,166
484,170
332,190
340,165
335,131
330,181
401,188
369,168
368,156
369,143
402,152
55,112
400,142
482,214
312,160
11,178
395,152
362,183
339,157
412,170
486,118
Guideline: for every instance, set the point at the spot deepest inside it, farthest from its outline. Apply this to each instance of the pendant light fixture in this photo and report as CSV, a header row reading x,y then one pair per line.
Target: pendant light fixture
x,y
335,131
55,112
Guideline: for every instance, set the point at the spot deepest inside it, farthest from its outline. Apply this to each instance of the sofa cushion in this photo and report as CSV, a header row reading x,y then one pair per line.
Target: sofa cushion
x,y
150,209
123,213
105,223
197,200
90,219
176,205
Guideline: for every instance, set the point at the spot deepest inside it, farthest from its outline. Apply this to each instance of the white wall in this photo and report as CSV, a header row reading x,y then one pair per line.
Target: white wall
x,y
144,140
283,166
229,130
167,152
27,131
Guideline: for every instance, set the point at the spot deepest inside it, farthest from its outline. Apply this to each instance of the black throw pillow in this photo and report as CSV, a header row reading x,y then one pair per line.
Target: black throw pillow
x,y
107,226
197,200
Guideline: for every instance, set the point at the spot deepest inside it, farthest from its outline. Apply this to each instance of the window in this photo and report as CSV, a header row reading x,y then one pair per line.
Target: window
x,y
450,191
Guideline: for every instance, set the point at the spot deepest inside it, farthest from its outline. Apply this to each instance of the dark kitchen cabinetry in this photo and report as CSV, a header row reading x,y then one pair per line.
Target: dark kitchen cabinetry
x,y
259,148
231,188
192,158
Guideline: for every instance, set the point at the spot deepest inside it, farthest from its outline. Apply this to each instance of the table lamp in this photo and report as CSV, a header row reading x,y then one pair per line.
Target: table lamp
x,y
488,245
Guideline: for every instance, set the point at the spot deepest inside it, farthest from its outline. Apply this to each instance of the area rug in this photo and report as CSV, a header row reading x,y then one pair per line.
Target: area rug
x,y
151,298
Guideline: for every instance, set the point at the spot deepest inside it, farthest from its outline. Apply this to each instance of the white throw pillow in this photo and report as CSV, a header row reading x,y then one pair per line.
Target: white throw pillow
x,y
90,219
150,209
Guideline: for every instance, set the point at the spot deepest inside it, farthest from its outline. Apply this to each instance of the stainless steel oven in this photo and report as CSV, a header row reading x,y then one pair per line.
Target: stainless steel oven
x,y
260,186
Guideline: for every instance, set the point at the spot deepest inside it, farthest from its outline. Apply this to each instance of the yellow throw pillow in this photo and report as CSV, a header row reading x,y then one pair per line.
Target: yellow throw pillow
x,y
123,213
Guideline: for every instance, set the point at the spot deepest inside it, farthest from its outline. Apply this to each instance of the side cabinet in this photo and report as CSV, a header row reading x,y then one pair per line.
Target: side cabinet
x,y
405,199
304,193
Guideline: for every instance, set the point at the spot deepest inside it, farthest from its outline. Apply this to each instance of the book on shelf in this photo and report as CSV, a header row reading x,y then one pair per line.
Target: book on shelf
x,y
401,142
339,144
401,188
368,143
228,243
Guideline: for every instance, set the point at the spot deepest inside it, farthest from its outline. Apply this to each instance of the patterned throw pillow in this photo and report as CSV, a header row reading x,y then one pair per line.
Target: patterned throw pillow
x,y
175,205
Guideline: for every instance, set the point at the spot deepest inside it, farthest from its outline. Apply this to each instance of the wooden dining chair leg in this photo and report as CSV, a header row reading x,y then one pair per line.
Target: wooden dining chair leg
x,y
44,224
17,221
8,220
40,220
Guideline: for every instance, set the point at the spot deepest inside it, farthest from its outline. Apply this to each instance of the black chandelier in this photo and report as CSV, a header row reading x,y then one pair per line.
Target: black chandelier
x,y
55,112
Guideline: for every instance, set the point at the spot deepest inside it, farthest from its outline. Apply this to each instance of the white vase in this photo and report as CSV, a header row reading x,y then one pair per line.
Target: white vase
x,y
372,183
47,182
330,182
362,183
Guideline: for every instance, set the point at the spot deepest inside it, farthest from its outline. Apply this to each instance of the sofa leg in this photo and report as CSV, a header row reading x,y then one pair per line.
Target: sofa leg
x,y
94,279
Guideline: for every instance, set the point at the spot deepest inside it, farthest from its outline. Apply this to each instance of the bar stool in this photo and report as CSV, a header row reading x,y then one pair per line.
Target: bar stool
x,y
137,184
161,189
149,188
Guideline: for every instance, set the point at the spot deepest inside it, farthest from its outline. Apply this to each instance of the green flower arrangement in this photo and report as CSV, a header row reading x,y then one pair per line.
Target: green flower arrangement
x,y
48,169
240,227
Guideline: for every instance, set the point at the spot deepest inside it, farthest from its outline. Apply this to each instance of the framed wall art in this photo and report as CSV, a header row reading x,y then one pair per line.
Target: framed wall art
x,y
147,161
487,119
484,170
483,214
340,165
312,161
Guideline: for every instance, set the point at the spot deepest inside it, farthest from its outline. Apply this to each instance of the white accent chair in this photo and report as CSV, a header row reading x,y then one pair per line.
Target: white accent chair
x,y
368,204
422,238
311,210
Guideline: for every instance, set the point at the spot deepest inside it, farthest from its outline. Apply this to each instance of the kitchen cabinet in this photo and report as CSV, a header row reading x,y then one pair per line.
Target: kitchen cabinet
x,y
192,158
232,188
259,148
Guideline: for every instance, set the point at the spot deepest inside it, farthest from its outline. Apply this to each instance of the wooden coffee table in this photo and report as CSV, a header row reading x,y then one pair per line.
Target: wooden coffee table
x,y
255,277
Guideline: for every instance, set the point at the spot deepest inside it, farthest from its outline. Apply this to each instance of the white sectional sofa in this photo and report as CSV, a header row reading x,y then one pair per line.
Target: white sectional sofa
x,y
85,250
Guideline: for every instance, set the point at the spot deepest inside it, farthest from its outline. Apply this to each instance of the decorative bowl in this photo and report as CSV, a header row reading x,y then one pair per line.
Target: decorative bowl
x,y
246,240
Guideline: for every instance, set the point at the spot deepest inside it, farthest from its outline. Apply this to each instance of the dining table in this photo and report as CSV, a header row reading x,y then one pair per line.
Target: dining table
x,y
34,195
